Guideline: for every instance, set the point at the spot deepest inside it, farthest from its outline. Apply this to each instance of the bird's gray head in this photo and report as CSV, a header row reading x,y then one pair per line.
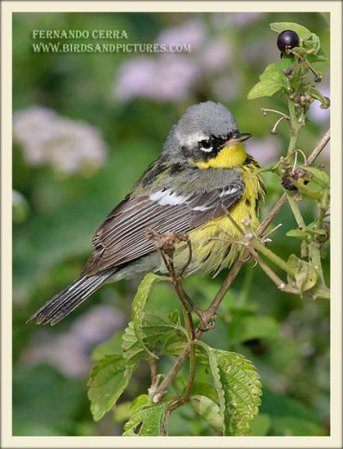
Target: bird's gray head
x,y
202,131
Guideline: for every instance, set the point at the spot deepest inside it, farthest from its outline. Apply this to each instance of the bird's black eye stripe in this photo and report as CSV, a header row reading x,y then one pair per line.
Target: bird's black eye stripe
x,y
210,147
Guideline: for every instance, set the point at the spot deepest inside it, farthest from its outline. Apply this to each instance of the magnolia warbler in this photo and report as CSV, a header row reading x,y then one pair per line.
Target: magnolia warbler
x,y
202,174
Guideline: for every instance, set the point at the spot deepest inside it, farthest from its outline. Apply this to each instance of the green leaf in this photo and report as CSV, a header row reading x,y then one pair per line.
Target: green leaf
x,y
140,401
320,56
108,379
209,411
174,317
324,101
111,346
312,43
306,276
238,387
302,32
297,233
205,389
286,62
122,412
249,327
319,175
271,81
147,421
138,306
155,330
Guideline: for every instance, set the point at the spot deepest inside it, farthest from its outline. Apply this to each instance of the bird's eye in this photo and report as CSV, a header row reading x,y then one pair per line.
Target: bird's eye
x,y
205,145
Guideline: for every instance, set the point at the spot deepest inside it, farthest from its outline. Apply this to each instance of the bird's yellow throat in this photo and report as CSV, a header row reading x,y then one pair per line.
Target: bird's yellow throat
x,y
230,156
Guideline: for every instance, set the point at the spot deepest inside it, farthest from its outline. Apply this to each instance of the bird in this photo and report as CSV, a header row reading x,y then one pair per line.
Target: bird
x,y
202,175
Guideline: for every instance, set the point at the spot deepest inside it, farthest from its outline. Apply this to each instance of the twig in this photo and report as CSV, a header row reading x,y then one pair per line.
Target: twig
x,y
165,244
153,370
235,269
316,152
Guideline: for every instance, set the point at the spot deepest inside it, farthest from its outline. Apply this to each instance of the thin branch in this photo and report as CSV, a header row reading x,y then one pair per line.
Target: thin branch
x,y
319,148
165,244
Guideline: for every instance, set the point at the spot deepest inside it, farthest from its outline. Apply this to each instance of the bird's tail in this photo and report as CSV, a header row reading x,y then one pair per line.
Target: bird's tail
x,y
68,299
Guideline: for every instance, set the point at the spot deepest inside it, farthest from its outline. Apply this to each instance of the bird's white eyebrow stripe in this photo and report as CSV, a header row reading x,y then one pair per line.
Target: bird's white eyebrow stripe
x,y
191,139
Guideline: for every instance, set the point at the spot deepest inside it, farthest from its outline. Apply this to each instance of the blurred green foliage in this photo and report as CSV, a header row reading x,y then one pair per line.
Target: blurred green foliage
x,y
287,338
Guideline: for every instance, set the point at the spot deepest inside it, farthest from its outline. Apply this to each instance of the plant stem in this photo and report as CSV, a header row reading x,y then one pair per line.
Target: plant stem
x,y
314,256
296,212
272,257
294,127
270,273
319,147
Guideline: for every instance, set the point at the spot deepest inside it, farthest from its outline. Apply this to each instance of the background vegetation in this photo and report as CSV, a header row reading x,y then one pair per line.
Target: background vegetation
x,y
85,127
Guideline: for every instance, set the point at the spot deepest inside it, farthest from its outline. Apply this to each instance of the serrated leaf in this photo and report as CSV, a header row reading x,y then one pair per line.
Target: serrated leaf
x,y
306,276
313,42
138,306
302,32
238,387
271,81
209,411
249,327
174,317
140,401
154,330
174,346
109,378
132,349
147,421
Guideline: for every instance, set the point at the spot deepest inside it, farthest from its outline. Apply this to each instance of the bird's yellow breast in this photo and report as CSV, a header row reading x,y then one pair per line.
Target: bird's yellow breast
x,y
212,246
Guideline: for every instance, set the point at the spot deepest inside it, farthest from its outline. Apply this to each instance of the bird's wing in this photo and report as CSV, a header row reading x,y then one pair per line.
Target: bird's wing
x,y
122,236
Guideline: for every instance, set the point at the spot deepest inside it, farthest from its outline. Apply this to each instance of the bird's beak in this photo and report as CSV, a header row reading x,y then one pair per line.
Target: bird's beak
x,y
238,137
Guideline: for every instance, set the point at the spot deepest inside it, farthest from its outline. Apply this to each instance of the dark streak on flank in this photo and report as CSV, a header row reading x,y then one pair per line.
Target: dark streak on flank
x,y
175,168
227,251
152,172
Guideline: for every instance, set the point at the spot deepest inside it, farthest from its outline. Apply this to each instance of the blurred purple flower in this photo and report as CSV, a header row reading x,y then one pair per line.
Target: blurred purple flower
x,y
239,19
69,352
259,52
265,150
192,32
216,55
47,138
169,77
226,87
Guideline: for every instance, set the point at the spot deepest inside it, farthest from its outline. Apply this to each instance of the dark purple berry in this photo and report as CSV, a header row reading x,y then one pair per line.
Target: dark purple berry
x,y
286,40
